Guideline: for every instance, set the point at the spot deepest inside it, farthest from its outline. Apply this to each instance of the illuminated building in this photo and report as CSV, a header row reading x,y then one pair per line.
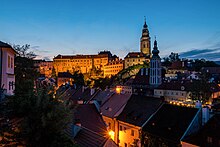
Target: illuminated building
x,y
138,110
110,110
113,67
181,91
134,58
44,67
82,63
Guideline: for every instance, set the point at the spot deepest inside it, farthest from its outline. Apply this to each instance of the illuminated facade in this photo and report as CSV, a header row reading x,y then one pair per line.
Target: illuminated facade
x,y
113,67
44,67
82,63
129,135
134,58
145,45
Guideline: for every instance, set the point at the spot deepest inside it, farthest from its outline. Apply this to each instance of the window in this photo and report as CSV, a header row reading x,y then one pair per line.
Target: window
x,y
132,132
8,61
109,125
124,129
209,139
12,62
120,128
126,144
11,85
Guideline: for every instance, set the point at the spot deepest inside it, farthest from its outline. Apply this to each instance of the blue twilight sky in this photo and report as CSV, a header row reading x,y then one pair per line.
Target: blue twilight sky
x,y
52,27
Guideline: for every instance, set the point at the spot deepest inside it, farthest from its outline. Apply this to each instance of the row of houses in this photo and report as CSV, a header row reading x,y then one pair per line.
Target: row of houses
x,y
136,120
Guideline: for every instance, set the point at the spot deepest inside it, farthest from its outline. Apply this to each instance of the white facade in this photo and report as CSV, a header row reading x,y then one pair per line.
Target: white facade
x,y
155,67
7,69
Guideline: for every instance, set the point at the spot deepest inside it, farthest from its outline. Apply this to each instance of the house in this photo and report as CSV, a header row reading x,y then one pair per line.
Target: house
x,y
7,76
63,78
136,113
181,91
89,129
113,67
208,136
83,95
44,67
102,96
170,124
135,58
111,109
141,82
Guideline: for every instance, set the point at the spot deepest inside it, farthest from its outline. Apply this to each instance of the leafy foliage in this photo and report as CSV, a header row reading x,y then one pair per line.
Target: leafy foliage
x,y
44,119
78,78
23,51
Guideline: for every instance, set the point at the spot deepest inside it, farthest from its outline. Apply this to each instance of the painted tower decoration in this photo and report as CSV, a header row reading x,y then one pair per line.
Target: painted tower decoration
x,y
145,45
155,67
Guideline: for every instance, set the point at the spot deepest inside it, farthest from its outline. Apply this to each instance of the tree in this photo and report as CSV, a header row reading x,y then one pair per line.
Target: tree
x,y
197,64
53,74
23,51
43,118
174,57
78,78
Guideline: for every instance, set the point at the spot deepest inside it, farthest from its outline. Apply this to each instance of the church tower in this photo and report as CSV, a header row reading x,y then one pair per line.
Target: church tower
x,y
155,67
145,45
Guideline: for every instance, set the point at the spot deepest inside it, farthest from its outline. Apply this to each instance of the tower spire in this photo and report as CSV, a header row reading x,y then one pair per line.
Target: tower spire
x,y
155,51
145,23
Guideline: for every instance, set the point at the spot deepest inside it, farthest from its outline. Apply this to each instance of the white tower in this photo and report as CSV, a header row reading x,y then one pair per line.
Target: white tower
x,y
155,67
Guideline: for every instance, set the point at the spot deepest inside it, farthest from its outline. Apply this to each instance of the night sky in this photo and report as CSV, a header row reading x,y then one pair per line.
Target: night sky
x,y
52,27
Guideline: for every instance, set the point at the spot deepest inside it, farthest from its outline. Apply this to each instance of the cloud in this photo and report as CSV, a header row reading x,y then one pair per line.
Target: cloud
x,y
208,54
47,58
195,52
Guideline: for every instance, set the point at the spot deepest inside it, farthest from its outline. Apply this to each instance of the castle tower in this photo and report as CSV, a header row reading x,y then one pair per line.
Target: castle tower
x,y
145,45
155,67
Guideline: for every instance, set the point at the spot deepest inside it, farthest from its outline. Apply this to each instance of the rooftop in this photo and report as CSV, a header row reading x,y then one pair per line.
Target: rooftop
x,y
138,109
115,103
170,122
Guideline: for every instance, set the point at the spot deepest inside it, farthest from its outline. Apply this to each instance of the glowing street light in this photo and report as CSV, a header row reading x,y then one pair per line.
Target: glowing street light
x,y
112,134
